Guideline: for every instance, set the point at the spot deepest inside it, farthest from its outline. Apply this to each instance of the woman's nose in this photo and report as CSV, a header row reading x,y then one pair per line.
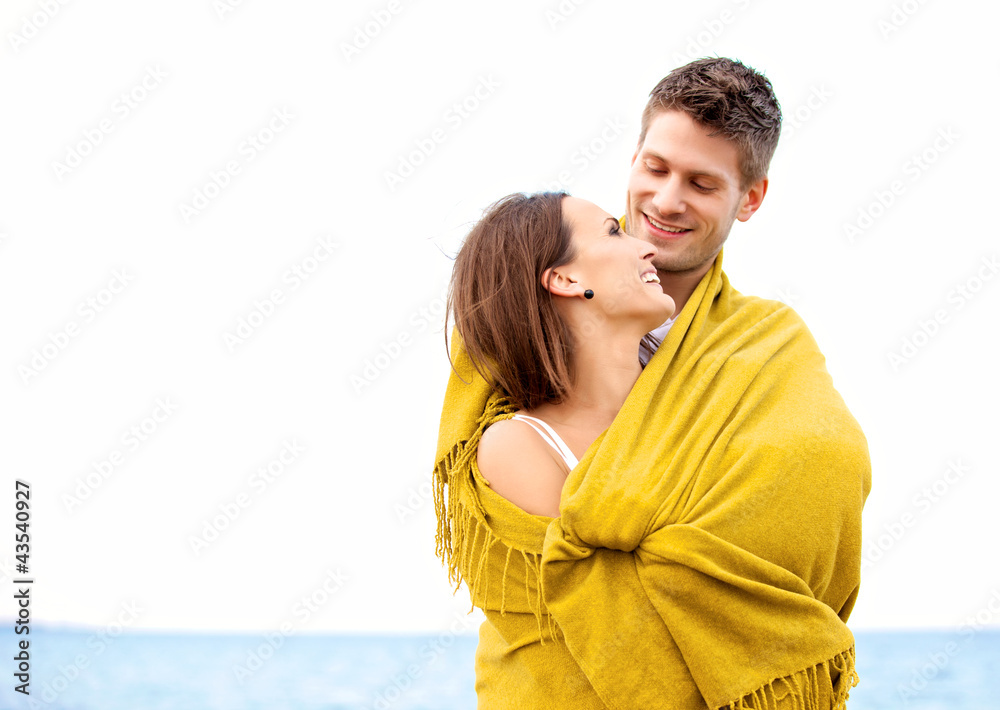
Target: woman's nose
x,y
646,250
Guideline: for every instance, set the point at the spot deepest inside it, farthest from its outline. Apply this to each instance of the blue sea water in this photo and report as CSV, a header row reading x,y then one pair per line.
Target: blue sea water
x,y
81,670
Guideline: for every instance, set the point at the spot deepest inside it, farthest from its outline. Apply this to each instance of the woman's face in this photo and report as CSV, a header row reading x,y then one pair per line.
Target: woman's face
x,y
618,268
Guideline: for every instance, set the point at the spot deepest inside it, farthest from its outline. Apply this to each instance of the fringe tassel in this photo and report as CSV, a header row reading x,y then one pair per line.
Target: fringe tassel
x,y
455,465
459,529
491,540
503,583
848,674
804,687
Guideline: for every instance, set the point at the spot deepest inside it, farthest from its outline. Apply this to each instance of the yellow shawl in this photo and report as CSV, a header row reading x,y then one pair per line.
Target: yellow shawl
x,y
707,552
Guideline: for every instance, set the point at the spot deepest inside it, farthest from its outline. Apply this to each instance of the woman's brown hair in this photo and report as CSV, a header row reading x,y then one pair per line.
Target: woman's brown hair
x,y
503,313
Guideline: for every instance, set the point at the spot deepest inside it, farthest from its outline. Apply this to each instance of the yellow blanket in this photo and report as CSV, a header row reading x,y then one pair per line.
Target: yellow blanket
x,y
707,552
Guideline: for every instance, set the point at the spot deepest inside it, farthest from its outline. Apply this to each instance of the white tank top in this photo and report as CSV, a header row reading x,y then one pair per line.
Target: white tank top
x,y
551,438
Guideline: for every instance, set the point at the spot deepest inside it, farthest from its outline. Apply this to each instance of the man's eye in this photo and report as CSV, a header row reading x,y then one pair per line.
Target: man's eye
x,y
654,170
703,188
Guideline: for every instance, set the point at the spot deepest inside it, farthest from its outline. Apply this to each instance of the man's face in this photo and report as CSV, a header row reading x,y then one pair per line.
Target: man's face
x,y
684,192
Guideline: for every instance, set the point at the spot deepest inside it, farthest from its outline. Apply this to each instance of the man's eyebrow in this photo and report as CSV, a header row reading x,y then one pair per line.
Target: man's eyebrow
x,y
710,175
694,173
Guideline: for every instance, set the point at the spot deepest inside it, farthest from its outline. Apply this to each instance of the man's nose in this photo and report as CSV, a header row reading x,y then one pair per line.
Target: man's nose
x,y
668,199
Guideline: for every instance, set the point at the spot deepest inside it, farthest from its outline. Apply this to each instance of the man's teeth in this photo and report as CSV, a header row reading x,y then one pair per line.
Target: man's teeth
x,y
664,227
650,277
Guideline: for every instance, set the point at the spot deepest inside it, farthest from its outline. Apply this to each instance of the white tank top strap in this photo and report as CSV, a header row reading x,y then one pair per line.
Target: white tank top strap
x,y
550,437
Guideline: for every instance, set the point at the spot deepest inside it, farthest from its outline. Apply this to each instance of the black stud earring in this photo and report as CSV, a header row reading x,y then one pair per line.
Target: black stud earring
x,y
588,294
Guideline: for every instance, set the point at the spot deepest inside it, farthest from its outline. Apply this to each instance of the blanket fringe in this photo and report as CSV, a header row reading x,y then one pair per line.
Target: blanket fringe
x,y
460,529
457,463
804,687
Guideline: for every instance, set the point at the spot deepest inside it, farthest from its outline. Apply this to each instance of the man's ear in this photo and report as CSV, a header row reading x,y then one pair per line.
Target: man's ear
x,y
558,282
752,199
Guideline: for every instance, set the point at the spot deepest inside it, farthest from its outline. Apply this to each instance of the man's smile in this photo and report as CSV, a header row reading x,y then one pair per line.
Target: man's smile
x,y
661,228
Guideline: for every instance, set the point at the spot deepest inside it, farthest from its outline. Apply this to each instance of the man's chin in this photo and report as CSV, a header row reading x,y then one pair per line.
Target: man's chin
x,y
675,262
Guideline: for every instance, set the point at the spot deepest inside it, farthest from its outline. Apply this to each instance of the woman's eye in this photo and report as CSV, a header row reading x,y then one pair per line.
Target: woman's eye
x,y
616,230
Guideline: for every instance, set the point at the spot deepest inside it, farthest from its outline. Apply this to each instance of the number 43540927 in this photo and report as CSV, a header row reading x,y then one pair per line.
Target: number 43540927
x,y
22,497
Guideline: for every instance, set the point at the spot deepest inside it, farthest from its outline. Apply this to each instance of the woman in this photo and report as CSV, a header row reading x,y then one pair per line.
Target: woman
x,y
625,530
552,299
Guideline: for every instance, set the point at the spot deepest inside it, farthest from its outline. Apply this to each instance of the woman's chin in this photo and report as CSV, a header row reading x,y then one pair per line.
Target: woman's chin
x,y
669,309
660,317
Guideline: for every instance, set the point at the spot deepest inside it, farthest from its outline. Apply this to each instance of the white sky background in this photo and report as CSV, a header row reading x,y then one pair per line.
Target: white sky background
x,y
878,98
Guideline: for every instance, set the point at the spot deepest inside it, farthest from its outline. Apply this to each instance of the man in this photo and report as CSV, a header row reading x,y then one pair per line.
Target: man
x,y
707,548
707,136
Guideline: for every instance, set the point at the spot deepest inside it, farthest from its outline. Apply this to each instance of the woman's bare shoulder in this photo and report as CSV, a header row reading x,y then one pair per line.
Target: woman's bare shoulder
x,y
522,467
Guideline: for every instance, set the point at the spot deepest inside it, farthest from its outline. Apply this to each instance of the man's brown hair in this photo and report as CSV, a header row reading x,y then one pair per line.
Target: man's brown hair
x,y
729,97
503,313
